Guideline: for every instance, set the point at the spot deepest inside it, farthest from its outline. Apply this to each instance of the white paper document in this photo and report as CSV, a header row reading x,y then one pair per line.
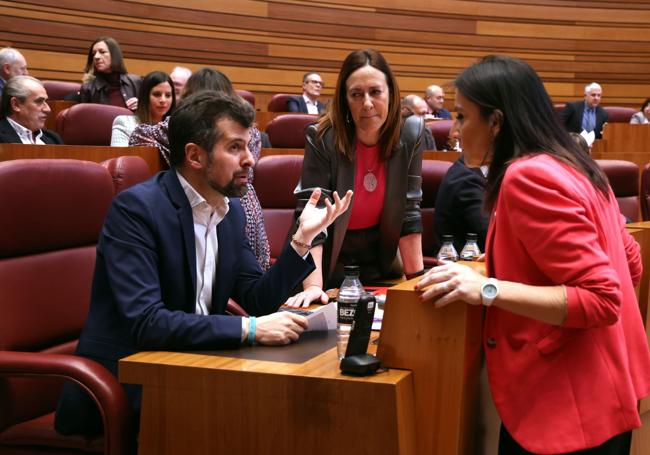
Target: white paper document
x,y
323,318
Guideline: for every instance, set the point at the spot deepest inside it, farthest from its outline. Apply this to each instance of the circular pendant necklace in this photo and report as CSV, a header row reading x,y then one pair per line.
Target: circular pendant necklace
x,y
370,181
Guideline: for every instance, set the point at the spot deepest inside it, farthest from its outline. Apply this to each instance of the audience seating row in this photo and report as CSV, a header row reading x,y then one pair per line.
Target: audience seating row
x,y
47,258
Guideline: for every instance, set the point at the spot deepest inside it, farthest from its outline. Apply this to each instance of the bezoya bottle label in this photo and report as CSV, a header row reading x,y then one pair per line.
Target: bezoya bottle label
x,y
346,312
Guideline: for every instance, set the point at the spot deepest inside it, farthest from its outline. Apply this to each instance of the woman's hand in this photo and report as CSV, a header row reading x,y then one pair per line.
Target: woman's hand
x,y
314,220
305,298
132,103
451,281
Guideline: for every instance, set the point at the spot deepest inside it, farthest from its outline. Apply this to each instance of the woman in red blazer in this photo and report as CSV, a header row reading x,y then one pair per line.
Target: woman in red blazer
x,y
565,348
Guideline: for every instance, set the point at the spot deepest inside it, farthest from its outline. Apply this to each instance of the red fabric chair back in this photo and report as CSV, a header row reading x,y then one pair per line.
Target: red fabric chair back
x,y
88,123
127,171
248,96
440,130
276,177
57,90
433,172
623,177
53,211
288,130
618,114
278,103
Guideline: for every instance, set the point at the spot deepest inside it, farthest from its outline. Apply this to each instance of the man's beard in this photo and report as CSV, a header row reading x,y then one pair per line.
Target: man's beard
x,y
232,189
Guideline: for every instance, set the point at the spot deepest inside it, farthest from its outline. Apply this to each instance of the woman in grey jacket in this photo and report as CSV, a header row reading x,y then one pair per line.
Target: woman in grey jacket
x,y
360,145
641,117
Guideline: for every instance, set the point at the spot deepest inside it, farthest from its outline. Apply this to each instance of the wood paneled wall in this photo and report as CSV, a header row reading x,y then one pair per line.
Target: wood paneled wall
x,y
266,46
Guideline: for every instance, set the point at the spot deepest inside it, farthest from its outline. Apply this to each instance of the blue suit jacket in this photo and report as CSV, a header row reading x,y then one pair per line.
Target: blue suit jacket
x,y
297,104
143,295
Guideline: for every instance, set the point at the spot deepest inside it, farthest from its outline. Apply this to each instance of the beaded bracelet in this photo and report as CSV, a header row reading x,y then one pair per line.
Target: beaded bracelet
x,y
251,330
299,243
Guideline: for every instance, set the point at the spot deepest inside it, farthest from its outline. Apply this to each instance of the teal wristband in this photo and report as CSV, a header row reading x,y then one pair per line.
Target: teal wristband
x,y
251,331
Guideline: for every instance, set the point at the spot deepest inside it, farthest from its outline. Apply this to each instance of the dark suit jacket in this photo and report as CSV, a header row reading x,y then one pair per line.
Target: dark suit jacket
x,y
297,104
8,135
325,167
571,116
459,205
143,295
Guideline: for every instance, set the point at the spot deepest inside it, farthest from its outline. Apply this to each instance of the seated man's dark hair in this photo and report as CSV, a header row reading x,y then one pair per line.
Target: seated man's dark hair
x,y
195,118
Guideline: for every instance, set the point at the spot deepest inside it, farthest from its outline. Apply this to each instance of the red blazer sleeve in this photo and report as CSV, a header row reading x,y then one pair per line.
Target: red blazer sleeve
x,y
556,219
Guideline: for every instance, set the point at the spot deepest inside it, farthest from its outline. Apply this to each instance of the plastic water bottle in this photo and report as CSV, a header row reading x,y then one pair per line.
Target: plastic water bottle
x,y
470,251
349,294
447,251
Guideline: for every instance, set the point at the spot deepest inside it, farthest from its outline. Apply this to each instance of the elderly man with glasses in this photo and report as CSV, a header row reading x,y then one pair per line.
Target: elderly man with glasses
x,y
308,103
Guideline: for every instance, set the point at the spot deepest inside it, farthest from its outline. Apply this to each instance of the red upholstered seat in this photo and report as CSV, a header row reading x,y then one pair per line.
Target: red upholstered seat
x,y
278,103
52,213
288,130
127,171
276,177
623,177
88,123
248,96
618,114
57,90
440,130
433,172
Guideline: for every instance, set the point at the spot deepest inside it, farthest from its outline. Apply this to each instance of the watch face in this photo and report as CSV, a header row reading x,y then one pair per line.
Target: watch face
x,y
490,291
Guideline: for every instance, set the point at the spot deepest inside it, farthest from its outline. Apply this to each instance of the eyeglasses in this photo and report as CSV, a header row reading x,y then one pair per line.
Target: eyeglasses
x,y
316,83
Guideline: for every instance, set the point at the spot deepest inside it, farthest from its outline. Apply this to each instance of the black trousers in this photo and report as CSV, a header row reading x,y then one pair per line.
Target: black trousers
x,y
618,445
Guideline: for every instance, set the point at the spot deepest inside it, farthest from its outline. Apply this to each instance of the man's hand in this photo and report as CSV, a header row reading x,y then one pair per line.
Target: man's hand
x,y
305,298
279,328
132,103
314,220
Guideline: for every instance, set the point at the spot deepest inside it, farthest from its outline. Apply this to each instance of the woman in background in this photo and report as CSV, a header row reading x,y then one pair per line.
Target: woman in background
x,y
156,102
360,144
641,117
157,136
566,352
106,80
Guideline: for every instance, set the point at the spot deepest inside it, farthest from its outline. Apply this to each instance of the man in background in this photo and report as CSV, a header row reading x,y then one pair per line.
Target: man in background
x,y
414,105
23,111
179,77
435,98
12,63
586,115
308,103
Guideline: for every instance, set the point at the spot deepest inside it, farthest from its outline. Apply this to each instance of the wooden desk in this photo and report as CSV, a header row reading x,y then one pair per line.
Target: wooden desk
x,y
203,404
279,151
79,152
197,403
441,156
624,137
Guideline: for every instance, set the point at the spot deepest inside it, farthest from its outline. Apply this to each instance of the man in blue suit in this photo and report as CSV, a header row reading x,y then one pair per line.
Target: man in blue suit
x,y
308,103
173,251
587,115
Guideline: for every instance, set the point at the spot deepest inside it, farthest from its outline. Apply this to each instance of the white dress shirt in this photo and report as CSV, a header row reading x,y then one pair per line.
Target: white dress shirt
x,y
312,107
206,218
25,135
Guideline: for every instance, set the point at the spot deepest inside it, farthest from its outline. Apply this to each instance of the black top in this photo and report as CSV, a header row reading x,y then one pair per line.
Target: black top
x,y
459,205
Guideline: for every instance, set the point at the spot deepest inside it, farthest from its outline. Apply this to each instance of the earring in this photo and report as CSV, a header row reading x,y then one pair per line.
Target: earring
x,y
347,118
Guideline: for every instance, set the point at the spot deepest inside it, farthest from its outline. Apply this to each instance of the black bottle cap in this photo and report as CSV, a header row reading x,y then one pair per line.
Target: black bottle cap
x,y
351,270
471,236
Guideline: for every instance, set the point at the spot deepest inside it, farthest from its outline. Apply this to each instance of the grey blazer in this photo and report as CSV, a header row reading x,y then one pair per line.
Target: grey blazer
x,y
639,119
327,168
